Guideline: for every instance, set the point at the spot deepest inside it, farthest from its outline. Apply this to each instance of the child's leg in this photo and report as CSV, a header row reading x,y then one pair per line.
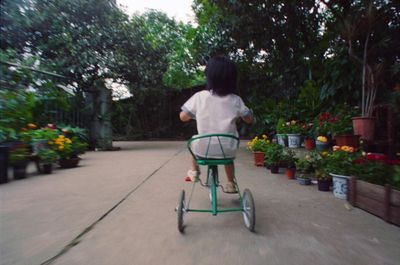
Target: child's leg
x,y
194,167
230,172
194,172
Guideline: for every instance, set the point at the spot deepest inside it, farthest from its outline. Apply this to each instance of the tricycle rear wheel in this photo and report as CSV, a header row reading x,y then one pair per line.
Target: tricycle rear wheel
x,y
249,211
180,211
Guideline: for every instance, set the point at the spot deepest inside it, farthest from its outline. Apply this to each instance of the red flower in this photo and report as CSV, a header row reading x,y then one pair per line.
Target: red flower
x,y
359,161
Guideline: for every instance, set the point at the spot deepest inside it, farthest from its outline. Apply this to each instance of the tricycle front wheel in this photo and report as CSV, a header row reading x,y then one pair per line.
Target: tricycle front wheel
x,y
180,211
249,211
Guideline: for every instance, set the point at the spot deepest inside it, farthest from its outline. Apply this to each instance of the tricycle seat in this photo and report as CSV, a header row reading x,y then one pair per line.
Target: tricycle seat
x,y
213,149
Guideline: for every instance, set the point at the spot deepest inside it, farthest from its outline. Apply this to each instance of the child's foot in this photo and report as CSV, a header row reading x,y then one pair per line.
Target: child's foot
x,y
230,188
192,175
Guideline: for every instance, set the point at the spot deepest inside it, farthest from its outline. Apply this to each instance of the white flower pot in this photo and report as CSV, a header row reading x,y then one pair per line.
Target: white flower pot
x,y
294,140
281,139
340,186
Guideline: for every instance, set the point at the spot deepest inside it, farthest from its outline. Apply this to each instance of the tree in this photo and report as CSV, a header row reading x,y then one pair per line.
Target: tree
x,y
370,30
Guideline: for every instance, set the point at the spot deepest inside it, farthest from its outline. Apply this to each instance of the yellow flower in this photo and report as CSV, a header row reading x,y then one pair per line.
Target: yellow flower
x,y
322,139
68,141
61,148
50,142
264,136
61,136
324,153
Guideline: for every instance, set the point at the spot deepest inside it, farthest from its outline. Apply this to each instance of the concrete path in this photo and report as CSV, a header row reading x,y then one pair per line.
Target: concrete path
x,y
118,208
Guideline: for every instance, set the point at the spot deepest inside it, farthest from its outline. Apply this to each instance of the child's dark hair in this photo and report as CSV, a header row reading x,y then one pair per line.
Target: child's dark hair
x,y
221,76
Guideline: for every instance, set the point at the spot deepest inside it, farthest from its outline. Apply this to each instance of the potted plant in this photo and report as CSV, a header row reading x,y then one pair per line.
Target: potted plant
x,y
309,142
6,134
273,156
322,176
19,161
39,138
342,128
376,186
289,156
281,131
340,165
47,158
294,130
322,143
68,150
323,125
304,170
258,147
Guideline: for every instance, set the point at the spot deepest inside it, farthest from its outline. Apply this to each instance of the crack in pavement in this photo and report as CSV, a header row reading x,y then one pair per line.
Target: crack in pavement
x,y
78,238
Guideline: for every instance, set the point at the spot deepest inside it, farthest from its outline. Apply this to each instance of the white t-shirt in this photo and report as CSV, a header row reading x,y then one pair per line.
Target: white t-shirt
x,y
215,114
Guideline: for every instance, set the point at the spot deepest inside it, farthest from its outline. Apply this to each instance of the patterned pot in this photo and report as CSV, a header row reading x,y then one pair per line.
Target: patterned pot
x,y
340,185
294,140
282,139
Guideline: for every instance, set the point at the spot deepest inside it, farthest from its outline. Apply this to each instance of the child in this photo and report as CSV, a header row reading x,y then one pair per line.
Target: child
x,y
217,109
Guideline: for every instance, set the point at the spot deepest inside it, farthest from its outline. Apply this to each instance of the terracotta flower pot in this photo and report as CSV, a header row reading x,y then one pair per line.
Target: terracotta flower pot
x,y
258,159
290,172
309,144
365,127
349,140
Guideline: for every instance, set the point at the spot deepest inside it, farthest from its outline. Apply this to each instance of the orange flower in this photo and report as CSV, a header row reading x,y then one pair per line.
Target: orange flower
x,y
31,126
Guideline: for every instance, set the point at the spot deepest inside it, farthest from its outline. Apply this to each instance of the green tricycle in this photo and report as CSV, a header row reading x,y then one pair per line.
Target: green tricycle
x,y
210,143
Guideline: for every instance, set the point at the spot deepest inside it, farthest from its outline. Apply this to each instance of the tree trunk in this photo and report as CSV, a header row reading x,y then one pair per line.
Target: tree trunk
x,y
100,125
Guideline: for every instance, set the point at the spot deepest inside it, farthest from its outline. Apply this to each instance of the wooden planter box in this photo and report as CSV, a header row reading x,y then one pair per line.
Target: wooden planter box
x,y
382,201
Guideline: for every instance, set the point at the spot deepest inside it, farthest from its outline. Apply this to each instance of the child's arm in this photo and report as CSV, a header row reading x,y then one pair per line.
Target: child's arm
x,y
184,116
248,119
